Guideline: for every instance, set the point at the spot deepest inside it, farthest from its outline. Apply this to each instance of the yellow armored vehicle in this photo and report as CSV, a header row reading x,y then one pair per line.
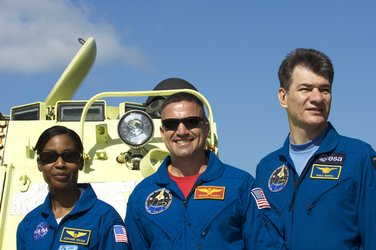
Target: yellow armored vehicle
x,y
122,143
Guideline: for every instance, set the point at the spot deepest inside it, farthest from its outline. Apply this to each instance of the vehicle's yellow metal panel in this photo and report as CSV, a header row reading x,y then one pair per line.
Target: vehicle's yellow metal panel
x,y
74,74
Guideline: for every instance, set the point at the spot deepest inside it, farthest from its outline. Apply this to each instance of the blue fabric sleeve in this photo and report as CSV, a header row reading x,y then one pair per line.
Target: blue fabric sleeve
x,y
367,200
136,239
261,233
107,240
20,240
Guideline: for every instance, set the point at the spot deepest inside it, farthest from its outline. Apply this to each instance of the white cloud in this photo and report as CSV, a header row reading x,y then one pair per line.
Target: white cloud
x,y
41,35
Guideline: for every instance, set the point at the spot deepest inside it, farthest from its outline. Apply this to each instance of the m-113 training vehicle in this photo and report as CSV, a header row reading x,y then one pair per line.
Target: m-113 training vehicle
x,y
122,143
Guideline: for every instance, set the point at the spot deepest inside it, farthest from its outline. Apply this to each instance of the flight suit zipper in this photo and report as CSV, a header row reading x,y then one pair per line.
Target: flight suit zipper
x,y
291,207
297,184
185,221
54,238
55,231
185,203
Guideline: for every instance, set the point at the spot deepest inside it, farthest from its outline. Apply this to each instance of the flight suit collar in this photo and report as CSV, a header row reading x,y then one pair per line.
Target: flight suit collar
x,y
327,146
330,140
328,143
85,202
213,171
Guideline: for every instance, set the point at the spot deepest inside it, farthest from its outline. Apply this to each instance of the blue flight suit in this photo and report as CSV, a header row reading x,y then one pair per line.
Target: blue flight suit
x,y
219,213
332,204
90,225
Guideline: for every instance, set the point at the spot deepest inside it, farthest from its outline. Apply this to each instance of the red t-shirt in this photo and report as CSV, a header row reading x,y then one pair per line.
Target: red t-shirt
x,y
185,183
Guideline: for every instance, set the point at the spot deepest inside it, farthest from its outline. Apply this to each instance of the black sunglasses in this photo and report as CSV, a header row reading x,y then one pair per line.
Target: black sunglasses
x,y
189,122
68,156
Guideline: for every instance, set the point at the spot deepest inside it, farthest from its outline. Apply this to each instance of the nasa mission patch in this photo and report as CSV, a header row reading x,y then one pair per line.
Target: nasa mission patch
x,y
158,201
278,179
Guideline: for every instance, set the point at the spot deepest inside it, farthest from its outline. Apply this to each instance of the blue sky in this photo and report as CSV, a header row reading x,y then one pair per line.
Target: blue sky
x,y
230,50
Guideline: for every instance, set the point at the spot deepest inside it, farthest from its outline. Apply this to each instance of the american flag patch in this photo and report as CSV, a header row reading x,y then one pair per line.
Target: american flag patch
x,y
120,234
260,198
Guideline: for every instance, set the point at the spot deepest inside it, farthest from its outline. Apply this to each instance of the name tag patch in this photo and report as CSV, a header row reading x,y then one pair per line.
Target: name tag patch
x,y
325,172
76,236
209,193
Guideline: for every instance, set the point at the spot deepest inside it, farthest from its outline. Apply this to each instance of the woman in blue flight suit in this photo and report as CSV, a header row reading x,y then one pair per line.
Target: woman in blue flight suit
x,y
71,217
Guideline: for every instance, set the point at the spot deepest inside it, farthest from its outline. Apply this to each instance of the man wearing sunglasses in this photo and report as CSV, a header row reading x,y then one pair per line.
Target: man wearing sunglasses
x,y
194,201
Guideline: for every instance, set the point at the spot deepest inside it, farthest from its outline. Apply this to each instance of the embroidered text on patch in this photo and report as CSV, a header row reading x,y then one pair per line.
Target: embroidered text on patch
x,y
325,172
209,192
75,235
260,198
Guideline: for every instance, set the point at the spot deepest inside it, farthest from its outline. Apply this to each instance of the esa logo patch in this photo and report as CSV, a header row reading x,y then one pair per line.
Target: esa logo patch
x,y
332,159
158,201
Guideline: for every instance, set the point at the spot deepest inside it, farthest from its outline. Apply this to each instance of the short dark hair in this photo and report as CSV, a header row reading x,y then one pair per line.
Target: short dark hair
x,y
312,59
183,96
58,130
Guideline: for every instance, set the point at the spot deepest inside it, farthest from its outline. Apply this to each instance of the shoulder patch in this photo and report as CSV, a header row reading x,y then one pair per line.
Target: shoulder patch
x,y
120,234
260,198
374,162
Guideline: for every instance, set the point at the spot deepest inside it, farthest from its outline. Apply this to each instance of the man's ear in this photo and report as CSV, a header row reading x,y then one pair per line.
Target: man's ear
x,y
207,127
161,130
282,97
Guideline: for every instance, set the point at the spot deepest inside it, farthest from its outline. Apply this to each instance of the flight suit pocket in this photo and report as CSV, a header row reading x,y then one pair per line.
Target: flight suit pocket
x,y
221,221
160,235
340,193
